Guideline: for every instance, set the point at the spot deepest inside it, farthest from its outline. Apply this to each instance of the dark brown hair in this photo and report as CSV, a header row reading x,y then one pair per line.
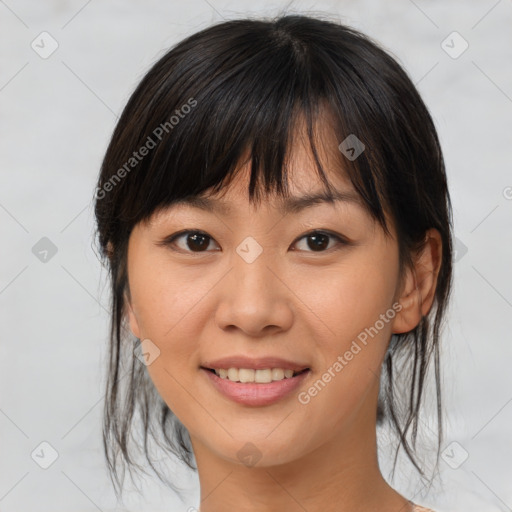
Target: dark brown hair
x,y
239,88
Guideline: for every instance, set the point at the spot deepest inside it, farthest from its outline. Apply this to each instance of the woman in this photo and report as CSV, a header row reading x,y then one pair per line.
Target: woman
x,y
274,213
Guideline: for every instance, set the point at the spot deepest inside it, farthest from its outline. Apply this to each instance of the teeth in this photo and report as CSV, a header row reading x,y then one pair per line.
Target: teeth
x,y
250,375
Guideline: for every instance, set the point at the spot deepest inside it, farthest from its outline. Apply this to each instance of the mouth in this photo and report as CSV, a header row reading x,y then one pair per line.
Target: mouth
x,y
257,369
256,388
255,376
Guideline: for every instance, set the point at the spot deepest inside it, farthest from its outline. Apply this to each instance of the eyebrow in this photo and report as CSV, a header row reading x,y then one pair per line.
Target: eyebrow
x,y
288,205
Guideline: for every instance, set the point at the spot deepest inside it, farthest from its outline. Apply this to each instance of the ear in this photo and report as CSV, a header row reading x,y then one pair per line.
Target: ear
x,y
132,318
419,284
110,250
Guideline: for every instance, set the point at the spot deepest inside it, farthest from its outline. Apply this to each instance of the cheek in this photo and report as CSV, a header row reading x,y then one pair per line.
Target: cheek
x,y
164,296
163,301
349,297
167,303
351,339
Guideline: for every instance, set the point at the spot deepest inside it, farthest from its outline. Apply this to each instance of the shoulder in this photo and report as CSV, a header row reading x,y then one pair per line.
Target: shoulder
x,y
419,508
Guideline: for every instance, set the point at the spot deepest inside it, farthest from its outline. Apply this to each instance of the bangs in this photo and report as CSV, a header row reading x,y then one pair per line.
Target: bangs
x,y
198,116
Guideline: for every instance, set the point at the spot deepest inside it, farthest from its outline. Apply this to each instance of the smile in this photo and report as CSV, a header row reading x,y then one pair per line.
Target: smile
x,y
261,376
241,386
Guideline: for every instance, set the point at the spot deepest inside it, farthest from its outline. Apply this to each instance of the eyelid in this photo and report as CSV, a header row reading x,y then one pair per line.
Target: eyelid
x,y
169,240
339,238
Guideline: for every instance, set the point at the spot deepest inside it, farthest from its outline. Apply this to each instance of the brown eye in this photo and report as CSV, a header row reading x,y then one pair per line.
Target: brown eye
x,y
193,241
318,241
197,241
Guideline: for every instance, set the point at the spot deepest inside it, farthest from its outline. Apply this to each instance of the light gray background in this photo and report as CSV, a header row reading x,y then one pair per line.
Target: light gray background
x,y
57,115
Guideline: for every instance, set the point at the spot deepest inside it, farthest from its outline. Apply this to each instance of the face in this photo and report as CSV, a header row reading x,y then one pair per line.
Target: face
x,y
316,286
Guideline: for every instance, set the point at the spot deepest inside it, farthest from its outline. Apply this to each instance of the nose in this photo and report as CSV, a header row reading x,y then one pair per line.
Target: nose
x,y
255,299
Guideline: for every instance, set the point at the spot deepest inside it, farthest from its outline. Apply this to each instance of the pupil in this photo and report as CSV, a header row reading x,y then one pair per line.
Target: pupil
x,y
199,241
321,241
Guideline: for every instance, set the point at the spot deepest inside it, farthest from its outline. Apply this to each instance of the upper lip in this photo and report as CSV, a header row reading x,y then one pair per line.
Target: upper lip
x,y
259,363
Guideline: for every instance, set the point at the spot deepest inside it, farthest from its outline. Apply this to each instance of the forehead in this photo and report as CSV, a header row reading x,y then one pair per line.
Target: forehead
x,y
304,189
300,174
302,183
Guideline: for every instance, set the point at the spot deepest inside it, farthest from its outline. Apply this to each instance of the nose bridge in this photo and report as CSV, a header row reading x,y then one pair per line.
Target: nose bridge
x,y
251,272
253,298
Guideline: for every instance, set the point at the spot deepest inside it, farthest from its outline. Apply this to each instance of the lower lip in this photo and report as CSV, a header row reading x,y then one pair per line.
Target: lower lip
x,y
256,394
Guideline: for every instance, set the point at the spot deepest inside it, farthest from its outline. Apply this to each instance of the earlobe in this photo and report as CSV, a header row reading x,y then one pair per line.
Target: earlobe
x,y
420,283
132,318
110,250
409,315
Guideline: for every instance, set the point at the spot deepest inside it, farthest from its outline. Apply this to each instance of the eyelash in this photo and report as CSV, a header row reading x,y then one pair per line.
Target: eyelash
x,y
170,241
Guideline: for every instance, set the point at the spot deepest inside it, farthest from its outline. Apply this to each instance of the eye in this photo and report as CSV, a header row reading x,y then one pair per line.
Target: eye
x,y
198,241
318,241
194,241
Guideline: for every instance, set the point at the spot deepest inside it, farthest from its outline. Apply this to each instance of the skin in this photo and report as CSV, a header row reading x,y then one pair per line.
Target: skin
x,y
300,304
